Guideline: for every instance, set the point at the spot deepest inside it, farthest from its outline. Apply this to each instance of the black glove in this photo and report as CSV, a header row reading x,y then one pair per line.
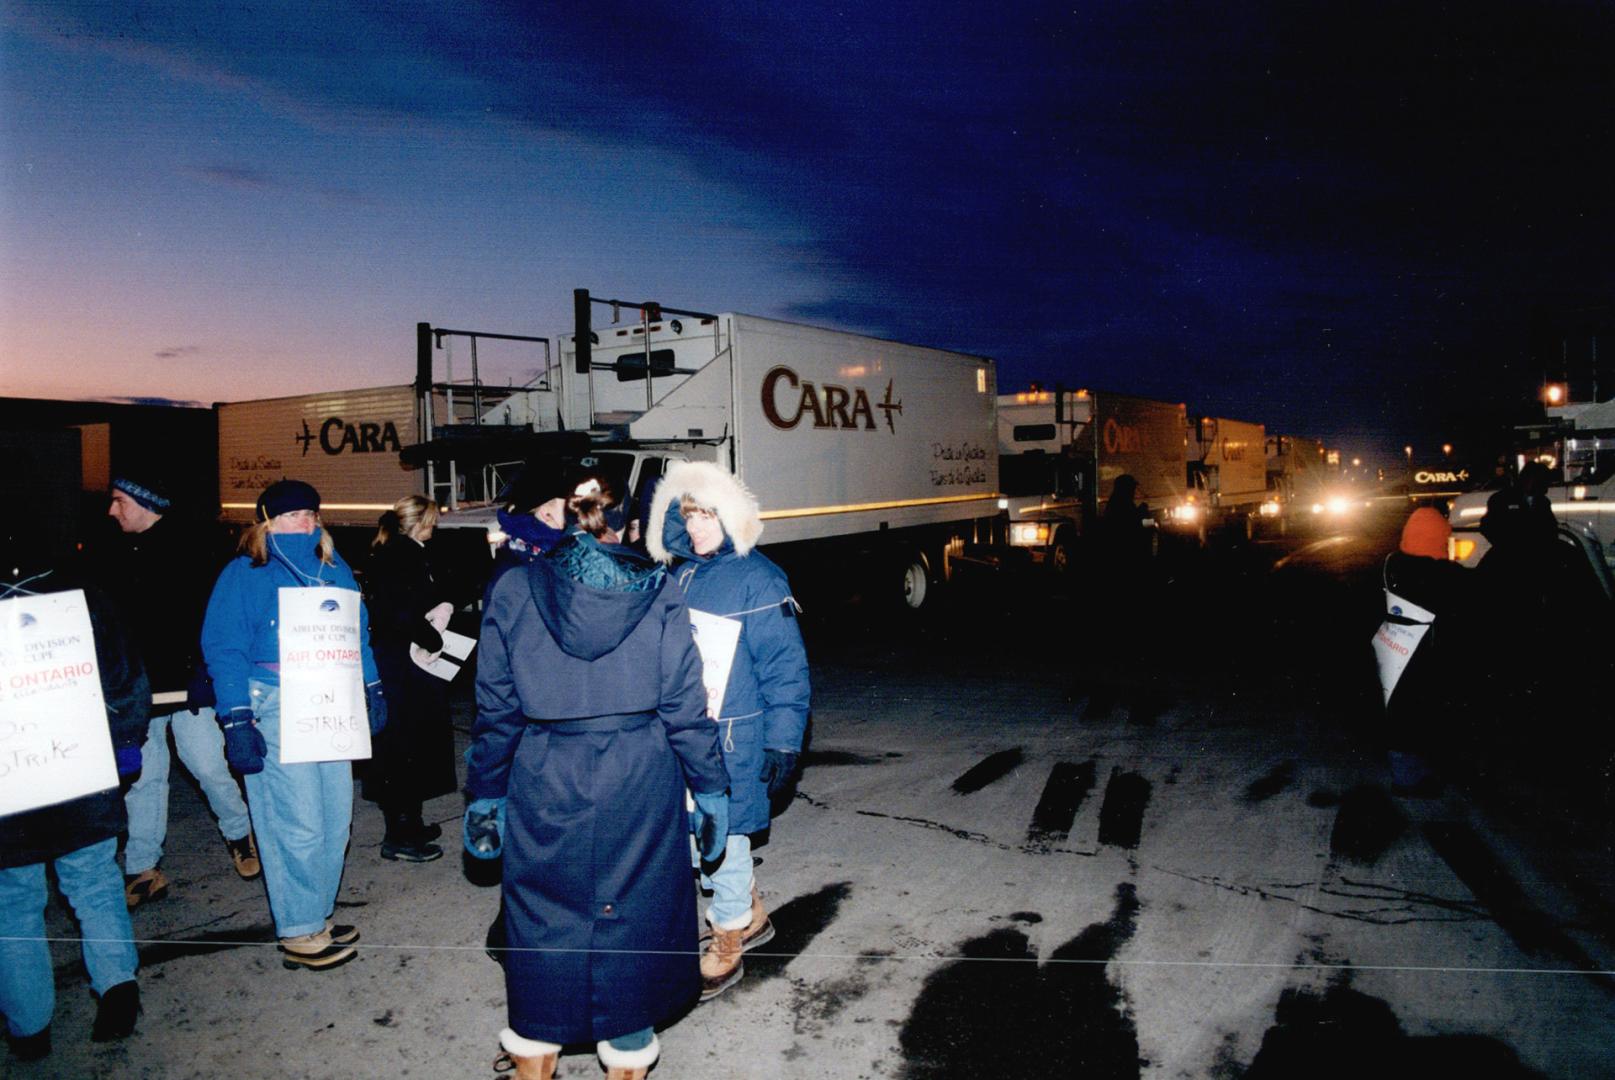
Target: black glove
x,y
778,765
244,746
375,704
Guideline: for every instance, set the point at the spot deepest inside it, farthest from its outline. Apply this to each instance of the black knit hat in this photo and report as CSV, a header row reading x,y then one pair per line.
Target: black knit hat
x,y
284,496
145,487
540,480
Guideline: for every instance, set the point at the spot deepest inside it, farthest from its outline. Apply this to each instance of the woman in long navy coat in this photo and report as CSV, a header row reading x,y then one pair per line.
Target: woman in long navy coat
x,y
591,722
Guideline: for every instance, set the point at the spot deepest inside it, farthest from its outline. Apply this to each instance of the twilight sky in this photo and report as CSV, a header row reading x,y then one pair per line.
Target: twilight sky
x,y
1336,219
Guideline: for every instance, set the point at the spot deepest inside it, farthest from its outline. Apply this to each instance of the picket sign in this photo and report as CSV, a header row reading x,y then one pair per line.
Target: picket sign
x,y
1398,636
322,699
55,745
716,637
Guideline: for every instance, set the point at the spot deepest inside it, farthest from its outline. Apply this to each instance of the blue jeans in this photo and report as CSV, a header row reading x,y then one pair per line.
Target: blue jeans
x,y
302,815
201,748
731,885
91,882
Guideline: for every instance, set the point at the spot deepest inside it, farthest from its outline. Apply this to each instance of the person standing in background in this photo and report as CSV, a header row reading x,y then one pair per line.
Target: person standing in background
x,y
303,811
159,577
413,760
702,516
78,838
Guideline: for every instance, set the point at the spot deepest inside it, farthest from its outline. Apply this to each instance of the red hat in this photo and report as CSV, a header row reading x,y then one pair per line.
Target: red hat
x,y
1426,533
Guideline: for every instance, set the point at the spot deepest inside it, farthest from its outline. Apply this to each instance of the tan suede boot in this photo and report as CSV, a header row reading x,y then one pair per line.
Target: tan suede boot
x,y
759,931
628,1064
721,967
527,1059
316,952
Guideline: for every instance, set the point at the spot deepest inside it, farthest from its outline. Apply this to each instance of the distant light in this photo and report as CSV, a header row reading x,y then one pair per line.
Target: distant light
x,y
1356,461
1555,393
1446,448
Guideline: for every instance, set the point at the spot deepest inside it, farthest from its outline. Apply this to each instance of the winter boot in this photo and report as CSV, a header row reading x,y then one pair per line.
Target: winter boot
x,y
528,1059
720,963
244,853
29,1047
759,931
145,887
422,832
116,1012
316,951
628,1064
402,843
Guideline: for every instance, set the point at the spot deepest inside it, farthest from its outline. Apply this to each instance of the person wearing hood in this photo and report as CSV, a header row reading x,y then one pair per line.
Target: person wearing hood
x,y
302,812
590,726
78,838
703,517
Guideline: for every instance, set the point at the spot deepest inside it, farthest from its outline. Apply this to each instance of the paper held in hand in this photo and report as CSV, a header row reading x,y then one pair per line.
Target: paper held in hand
x,y
716,637
54,741
322,701
446,664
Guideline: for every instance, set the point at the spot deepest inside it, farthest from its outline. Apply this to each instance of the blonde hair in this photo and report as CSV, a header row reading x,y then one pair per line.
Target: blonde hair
x,y
408,514
254,544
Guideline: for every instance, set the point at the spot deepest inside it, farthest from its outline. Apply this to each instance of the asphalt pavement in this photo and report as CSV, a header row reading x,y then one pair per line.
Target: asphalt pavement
x,y
1017,849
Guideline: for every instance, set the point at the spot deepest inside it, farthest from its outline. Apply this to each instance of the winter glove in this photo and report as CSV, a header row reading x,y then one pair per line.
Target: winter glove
x,y
244,746
711,825
778,765
485,828
375,704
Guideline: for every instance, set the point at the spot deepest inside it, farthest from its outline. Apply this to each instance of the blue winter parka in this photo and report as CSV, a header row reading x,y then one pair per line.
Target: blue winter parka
x,y
768,695
241,631
591,724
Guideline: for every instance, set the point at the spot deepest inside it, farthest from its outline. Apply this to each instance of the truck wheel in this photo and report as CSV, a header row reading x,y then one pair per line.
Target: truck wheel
x,y
1062,556
915,581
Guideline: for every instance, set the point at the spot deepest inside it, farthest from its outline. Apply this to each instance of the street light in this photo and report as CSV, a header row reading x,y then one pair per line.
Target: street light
x,y
1408,450
1446,449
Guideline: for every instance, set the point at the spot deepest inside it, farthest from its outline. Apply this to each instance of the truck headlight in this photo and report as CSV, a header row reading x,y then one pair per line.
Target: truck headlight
x,y
1187,513
1339,505
1029,534
1270,508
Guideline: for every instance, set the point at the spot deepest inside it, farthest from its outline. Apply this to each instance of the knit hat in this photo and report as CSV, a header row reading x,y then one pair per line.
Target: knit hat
x,y
284,496
1426,533
148,490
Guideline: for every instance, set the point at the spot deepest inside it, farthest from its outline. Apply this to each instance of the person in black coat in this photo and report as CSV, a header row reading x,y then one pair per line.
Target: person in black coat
x,y
413,759
591,723
79,838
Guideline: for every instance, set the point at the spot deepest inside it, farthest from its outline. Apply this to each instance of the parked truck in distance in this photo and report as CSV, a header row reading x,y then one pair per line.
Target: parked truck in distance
x,y
871,459
1060,452
1226,475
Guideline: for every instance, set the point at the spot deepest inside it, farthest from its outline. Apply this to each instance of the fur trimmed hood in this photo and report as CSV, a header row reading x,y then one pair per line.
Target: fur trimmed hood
x,y
710,486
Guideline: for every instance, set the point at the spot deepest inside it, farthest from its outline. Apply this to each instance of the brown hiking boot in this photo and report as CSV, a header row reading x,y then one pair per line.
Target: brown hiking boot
x,y
720,963
759,931
528,1059
316,951
244,853
145,887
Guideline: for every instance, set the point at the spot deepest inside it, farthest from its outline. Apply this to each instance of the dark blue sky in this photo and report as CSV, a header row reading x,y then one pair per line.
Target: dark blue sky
x,y
1337,219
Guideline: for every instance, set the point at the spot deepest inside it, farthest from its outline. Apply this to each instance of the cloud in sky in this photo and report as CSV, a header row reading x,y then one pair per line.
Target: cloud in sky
x,y
1202,204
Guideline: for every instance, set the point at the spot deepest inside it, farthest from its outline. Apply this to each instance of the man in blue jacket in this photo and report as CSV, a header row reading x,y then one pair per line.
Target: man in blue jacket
x,y
703,516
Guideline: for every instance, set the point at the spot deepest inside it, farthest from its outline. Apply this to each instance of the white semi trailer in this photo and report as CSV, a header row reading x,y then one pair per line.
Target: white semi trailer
x,y
870,458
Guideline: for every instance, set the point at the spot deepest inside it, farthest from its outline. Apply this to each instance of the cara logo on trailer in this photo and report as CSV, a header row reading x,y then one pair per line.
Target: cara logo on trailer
x,y
787,399
337,435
